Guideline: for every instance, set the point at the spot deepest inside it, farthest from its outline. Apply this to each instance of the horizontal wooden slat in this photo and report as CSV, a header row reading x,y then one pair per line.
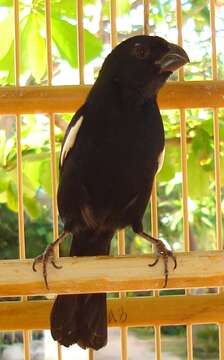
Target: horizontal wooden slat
x,y
44,99
172,310
123,273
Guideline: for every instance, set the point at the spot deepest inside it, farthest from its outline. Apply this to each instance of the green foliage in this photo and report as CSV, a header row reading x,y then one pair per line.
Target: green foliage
x,y
6,34
63,8
33,39
123,8
173,330
36,167
33,54
38,233
142,332
206,341
63,33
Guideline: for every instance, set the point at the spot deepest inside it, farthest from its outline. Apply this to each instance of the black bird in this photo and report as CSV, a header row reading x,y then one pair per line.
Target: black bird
x,y
110,154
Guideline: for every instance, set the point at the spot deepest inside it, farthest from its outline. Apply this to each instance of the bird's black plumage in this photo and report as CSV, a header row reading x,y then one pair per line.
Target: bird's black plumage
x,y
109,158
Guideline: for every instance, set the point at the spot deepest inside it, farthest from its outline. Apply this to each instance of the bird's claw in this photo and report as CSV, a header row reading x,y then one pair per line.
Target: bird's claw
x,y
45,258
162,251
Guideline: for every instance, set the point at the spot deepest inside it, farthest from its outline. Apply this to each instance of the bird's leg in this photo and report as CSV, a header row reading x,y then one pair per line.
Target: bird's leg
x,y
161,251
48,256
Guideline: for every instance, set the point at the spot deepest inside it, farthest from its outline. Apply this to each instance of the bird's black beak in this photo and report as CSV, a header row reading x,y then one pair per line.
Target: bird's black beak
x,y
173,59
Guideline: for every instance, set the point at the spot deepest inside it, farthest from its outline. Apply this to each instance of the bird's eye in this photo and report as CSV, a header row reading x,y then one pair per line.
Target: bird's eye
x,y
140,51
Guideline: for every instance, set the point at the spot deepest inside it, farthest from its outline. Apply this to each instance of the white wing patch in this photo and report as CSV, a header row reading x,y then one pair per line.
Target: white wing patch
x,y
160,160
70,140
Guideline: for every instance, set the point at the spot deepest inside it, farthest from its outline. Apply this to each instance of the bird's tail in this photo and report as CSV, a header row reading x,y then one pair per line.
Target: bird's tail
x,y
82,319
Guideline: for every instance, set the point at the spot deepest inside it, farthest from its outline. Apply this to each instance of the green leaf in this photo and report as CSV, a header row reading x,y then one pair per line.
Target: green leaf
x,y
198,179
168,171
171,163
29,188
65,38
10,153
67,8
7,33
2,146
12,196
33,54
64,8
33,156
4,179
201,143
207,125
93,46
221,128
32,207
31,169
6,3
222,170
7,65
45,176
123,8
3,197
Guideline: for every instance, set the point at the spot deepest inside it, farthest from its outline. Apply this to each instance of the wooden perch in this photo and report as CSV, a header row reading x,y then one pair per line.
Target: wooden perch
x,y
109,274
45,99
142,311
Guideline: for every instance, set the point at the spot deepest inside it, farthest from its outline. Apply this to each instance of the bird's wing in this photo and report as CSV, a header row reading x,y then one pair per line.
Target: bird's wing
x,y
69,183
71,135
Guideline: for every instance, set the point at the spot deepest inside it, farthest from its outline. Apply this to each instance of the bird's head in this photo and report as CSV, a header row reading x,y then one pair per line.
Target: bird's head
x,y
143,63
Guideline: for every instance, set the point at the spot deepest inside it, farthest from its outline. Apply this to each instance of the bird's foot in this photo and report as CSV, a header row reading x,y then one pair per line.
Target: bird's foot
x,y
48,256
45,258
161,252
165,254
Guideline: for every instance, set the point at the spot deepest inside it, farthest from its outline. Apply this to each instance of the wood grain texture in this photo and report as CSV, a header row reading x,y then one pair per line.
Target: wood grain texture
x,y
108,274
172,310
46,99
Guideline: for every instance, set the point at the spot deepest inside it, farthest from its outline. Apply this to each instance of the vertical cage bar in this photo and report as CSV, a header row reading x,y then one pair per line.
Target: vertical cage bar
x,y
52,136
219,241
90,354
183,145
80,34
146,29
216,134
17,42
154,209
213,34
59,352
54,179
49,43
120,234
217,179
22,248
113,16
123,330
124,341
155,233
158,342
183,140
52,122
